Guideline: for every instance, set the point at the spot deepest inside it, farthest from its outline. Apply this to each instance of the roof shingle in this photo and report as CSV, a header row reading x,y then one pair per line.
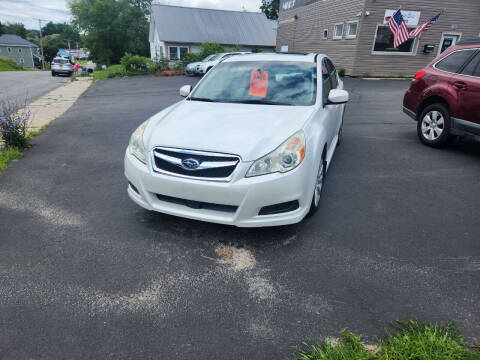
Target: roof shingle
x,y
195,25
15,40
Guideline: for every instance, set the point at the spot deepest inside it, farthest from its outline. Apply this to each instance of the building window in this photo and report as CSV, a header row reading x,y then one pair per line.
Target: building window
x,y
9,49
352,28
19,50
383,43
22,60
177,52
325,34
284,48
338,31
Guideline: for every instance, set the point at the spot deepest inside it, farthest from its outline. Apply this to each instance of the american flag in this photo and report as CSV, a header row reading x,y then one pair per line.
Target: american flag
x,y
425,26
399,29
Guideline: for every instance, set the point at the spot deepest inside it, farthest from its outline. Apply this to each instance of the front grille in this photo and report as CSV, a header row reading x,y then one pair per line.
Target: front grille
x,y
197,204
203,165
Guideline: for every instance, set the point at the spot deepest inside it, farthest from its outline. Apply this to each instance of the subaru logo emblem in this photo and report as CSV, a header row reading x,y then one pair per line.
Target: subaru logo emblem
x,y
190,164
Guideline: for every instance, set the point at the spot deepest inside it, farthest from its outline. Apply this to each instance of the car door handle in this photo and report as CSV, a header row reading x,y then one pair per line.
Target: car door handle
x,y
460,85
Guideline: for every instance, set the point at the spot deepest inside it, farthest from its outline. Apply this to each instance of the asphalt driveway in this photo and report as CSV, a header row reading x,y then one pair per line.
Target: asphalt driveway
x,y
85,273
28,85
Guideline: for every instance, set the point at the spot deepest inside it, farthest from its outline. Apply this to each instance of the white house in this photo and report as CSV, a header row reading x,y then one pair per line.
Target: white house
x,y
176,31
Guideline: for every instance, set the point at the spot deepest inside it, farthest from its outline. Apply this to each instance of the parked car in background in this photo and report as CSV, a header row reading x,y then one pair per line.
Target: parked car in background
x,y
61,65
205,67
444,97
191,68
249,146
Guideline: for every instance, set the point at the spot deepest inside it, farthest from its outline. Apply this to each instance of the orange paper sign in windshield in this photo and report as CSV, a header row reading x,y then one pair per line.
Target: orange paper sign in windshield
x,y
258,83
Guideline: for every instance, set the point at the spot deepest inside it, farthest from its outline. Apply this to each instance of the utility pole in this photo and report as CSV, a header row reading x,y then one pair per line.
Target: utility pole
x,y
41,42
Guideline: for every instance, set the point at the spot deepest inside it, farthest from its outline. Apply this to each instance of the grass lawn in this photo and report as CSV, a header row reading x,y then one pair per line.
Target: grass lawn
x,y
9,65
7,155
413,340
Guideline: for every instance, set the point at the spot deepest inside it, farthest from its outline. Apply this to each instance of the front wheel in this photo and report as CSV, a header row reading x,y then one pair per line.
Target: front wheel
x,y
433,127
318,187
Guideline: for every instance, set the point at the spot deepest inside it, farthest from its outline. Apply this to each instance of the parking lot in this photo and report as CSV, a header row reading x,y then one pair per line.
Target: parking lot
x,y
86,273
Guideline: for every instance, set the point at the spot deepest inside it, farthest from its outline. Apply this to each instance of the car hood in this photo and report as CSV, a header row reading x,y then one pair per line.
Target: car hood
x,y
247,130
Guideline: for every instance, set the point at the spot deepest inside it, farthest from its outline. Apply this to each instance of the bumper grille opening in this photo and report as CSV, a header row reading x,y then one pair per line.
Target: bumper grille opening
x,y
279,208
198,204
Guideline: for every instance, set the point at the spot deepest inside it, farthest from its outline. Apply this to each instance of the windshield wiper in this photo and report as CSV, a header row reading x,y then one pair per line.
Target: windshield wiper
x,y
261,102
202,99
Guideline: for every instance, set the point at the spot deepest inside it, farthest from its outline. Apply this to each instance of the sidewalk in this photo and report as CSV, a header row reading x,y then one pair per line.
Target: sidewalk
x,y
50,106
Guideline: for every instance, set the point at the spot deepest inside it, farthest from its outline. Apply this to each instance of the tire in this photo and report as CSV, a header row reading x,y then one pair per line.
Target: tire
x,y
53,73
433,125
320,180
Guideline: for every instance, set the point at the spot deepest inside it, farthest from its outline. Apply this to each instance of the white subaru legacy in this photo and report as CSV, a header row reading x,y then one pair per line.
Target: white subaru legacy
x,y
248,146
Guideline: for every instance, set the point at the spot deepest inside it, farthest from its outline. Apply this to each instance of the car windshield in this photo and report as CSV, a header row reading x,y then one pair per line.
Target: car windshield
x,y
254,82
214,57
60,61
209,57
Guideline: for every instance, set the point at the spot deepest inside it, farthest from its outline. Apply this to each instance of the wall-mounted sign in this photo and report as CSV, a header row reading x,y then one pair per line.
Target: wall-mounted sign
x,y
411,17
290,4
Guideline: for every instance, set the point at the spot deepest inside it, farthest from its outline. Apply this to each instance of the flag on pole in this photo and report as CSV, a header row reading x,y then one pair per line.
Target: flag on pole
x,y
398,27
425,26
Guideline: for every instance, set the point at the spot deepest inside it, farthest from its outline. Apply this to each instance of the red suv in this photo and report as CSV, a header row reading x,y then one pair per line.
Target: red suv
x,y
444,97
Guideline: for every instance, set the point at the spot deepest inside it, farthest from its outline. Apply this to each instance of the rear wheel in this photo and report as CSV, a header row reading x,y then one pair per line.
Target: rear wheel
x,y
318,187
433,127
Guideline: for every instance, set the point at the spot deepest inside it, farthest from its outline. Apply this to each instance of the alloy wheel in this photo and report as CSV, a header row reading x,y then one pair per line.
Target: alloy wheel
x,y
319,184
433,125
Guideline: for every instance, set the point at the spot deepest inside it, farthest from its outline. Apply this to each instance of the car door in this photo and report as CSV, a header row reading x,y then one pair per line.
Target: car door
x,y
337,110
467,85
330,110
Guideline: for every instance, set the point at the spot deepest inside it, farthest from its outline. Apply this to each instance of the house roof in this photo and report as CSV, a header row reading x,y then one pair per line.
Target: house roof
x,y
15,40
195,25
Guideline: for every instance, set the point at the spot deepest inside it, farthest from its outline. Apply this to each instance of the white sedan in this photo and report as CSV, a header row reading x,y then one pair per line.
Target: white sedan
x,y
249,146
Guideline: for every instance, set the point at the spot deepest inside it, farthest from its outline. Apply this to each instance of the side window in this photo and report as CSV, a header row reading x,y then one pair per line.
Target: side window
x,y
453,62
473,68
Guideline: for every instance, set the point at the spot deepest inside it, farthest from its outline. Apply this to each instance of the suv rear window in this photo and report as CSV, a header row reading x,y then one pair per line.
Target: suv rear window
x,y
473,68
60,61
453,62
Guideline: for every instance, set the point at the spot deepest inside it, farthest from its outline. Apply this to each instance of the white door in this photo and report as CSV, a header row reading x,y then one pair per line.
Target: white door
x,y
447,41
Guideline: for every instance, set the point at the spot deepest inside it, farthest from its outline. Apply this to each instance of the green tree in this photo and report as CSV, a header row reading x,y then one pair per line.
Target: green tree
x,y
15,28
113,27
270,8
1,28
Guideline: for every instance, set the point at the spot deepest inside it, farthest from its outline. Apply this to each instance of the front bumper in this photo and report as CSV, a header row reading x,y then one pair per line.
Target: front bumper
x,y
248,195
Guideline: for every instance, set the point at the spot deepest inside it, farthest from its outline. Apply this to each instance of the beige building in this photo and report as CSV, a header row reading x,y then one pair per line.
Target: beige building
x,y
354,34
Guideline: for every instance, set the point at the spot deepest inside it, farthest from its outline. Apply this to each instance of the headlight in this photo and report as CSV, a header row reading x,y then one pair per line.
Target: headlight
x,y
136,147
285,158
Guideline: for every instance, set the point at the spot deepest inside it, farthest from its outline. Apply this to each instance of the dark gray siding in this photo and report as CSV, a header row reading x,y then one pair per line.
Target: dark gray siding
x,y
305,34
463,14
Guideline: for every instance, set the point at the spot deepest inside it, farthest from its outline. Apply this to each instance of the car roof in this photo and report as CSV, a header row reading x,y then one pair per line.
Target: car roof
x,y
295,57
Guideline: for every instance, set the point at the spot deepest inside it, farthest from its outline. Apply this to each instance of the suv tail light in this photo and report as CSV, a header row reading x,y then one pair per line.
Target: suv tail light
x,y
420,74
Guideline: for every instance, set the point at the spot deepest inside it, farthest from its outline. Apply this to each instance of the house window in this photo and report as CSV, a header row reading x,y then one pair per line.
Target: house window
x,y
177,52
9,49
338,31
19,50
22,60
325,34
352,28
383,43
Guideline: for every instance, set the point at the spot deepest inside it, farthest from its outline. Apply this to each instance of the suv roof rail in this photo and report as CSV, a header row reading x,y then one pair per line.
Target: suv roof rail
x,y
291,53
470,41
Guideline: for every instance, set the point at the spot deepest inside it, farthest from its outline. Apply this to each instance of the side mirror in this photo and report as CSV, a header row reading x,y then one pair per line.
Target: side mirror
x,y
185,90
337,96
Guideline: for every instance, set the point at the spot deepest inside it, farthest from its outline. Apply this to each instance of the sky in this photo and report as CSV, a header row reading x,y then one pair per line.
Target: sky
x,y
27,11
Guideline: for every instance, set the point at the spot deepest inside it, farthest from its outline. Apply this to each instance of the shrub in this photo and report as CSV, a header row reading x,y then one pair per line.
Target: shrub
x,y
136,63
205,50
341,71
14,122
